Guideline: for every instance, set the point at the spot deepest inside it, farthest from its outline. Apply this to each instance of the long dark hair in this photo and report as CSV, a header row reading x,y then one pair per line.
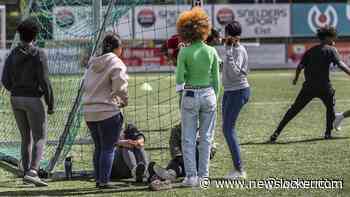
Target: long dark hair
x,y
111,42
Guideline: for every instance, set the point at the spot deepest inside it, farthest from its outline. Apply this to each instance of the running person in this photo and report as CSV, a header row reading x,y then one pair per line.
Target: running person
x,y
316,62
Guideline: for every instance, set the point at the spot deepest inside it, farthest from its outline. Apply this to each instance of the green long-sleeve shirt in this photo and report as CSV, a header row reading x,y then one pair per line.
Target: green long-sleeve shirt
x,y
198,65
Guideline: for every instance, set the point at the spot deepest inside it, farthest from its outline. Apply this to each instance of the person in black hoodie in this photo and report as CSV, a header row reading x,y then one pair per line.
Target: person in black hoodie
x,y
25,75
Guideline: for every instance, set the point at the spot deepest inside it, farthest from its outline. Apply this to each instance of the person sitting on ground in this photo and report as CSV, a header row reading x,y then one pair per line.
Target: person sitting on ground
x,y
131,160
175,167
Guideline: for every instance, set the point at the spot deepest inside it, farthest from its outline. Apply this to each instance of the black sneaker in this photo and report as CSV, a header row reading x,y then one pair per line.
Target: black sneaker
x,y
32,177
272,139
140,171
327,136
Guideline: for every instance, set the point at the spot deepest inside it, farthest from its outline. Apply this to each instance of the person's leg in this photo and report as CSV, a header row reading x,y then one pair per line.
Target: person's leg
x,y
303,98
37,117
93,128
234,101
176,166
129,158
328,100
189,120
141,156
26,136
206,129
109,131
120,170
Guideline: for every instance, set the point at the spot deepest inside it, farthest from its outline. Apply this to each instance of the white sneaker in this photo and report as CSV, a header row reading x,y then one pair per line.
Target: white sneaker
x,y
234,174
190,181
336,123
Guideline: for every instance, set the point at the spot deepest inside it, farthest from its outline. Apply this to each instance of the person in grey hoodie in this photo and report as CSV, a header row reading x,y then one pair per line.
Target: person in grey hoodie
x,y
26,76
105,92
236,92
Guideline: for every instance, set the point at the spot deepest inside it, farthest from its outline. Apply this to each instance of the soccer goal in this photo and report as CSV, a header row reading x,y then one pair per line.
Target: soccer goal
x,y
72,32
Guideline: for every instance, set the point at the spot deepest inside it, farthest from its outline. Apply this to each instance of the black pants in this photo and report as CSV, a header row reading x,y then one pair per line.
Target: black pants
x,y
127,159
306,94
177,164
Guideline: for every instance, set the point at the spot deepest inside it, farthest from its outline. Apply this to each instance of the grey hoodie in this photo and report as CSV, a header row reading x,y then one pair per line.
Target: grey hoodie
x,y
105,86
235,68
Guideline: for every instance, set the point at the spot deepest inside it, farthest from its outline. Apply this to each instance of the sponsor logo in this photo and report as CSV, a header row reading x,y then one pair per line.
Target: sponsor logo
x,y
146,18
224,16
65,18
317,19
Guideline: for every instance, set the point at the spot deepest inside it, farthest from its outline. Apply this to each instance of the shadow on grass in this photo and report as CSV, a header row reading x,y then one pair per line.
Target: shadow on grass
x,y
71,192
293,141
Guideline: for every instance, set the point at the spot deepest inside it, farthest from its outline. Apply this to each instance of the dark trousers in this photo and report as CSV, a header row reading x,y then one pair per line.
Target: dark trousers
x,y
31,119
177,164
105,135
232,103
306,94
127,160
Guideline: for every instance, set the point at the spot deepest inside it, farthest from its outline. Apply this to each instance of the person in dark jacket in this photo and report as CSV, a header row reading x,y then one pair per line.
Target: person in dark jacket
x,y
26,76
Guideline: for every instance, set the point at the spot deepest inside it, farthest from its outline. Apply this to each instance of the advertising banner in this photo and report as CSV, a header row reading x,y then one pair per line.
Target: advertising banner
x,y
257,20
307,18
76,22
159,21
296,51
144,59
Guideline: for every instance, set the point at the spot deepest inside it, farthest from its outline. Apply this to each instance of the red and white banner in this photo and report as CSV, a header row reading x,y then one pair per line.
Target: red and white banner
x,y
145,59
296,51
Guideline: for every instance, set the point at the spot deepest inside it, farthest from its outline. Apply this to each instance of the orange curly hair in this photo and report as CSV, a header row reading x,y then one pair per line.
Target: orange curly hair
x,y
193,25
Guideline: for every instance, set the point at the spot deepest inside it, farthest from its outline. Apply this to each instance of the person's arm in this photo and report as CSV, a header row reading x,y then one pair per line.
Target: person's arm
x,y
180,71
337,60
45,84
235,61
215,73
297,73
120,84
344,67
6,79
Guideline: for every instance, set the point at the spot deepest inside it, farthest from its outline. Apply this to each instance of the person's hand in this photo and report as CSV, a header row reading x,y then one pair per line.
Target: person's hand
x,y
123,102
140,143
131,143
295,81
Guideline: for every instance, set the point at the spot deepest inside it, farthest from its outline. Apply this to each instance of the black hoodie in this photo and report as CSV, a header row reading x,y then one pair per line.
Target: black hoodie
x,y
26,74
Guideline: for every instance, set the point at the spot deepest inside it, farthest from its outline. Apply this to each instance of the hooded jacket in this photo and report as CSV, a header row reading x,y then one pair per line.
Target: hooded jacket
x,y
105,86
25,73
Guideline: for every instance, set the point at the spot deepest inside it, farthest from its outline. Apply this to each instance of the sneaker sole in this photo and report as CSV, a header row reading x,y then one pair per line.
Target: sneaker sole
x,y
37,183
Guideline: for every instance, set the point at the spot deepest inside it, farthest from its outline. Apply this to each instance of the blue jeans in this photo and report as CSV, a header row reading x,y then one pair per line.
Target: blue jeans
x,y
105,135
232,103
198,105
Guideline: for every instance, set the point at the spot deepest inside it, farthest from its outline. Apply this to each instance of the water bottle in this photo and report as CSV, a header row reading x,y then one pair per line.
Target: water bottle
x,y
68,167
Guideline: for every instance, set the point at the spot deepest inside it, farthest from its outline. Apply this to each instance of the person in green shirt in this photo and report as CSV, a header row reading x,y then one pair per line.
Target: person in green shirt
x,y
197,76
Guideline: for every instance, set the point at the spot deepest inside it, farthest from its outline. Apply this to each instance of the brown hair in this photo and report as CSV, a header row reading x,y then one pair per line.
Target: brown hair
x,y
193,25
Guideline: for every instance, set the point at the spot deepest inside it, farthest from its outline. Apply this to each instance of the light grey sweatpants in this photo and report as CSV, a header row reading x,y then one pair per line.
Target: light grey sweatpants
x,y
31,118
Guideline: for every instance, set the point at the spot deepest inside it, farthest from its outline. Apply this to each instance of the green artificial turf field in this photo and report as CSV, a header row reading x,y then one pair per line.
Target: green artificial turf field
x,y
301,152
